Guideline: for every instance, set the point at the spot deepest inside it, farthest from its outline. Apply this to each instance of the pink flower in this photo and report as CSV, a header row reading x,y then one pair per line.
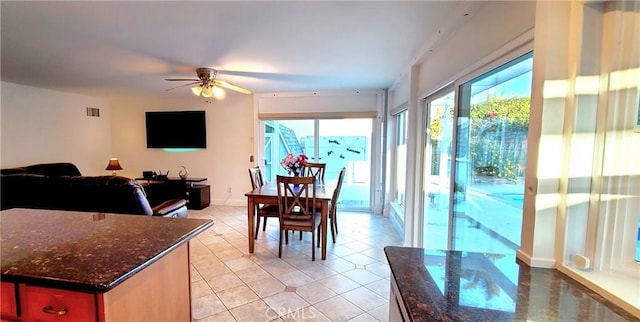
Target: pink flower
x,y
294,163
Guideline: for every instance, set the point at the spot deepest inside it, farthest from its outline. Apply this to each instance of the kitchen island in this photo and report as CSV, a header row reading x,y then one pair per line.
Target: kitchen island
x,y
82,266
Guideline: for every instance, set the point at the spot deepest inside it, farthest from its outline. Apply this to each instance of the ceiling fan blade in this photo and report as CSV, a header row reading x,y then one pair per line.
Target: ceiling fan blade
x,y
232,87
183,85
181,79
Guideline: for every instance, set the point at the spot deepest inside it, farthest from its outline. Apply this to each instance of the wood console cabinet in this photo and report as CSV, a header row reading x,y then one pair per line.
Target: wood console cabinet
x,y
198,196
195,190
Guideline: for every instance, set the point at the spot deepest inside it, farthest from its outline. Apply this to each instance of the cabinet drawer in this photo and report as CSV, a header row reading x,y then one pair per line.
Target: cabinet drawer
x,y
48,304
8,307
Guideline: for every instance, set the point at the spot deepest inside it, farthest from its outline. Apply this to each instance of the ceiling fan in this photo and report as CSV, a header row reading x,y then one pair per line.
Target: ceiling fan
x,y
207,85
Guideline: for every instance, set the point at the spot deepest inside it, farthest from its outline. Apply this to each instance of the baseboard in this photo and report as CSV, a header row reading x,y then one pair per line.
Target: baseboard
x,y
535,262
229,202
394,211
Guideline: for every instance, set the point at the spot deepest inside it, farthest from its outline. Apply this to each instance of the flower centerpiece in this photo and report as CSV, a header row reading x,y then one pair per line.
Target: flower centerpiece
x,y
294,163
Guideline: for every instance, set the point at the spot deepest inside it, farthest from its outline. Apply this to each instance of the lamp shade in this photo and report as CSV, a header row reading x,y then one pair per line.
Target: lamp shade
x,y
113,165
207,91
218,92
197,90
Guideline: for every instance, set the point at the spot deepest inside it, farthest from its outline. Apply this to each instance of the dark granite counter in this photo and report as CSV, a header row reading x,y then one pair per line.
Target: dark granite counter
x,y
463,286
86,251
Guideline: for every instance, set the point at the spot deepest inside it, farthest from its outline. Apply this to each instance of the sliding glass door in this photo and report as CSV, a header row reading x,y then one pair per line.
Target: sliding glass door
x,y
491,149
281,138
437,171
340,143
347,143
475,160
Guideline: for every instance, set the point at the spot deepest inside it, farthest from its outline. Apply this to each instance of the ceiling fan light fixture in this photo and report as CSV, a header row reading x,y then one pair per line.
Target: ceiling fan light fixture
x,y
207,91
197,90
207,85
218,92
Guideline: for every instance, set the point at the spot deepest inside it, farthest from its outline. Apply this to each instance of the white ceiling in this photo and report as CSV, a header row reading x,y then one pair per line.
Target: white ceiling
x,y
121,48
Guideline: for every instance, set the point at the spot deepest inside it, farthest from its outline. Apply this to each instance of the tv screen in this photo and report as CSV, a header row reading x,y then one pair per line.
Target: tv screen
x,y
176,129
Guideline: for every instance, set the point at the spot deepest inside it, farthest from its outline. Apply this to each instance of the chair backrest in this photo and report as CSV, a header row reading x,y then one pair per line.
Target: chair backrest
x,y
315,170
296,197
255,174
336,192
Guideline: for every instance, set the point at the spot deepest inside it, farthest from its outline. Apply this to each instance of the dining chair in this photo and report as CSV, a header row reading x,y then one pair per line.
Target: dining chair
x,y
315,170
333,207
297,205
264,211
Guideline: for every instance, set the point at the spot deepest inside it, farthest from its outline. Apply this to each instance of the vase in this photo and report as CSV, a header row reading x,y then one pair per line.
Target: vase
x,y
296,173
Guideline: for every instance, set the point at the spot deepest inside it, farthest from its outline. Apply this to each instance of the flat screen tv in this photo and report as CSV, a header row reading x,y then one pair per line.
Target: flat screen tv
x,y
176,129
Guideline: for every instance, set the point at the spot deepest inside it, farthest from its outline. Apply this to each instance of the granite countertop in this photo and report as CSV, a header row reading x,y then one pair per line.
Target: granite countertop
x,y
86,251
439,285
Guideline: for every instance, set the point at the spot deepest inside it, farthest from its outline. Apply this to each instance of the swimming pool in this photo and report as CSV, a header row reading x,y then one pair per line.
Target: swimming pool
x,y
516,199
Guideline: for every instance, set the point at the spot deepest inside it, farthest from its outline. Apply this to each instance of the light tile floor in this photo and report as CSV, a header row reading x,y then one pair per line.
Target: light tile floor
x,y
230,284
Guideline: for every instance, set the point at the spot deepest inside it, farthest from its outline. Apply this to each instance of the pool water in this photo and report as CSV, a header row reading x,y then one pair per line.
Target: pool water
x,y
516,199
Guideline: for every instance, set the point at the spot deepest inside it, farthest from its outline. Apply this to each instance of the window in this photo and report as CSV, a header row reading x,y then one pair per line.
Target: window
x,y
401,157
437,170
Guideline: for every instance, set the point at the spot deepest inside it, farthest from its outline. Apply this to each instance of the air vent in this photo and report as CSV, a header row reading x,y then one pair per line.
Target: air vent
x,y
92,111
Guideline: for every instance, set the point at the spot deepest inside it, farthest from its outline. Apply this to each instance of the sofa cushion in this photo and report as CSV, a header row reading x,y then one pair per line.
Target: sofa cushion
x,y
171,208
13,170
23,190
113,194
161,191
54,169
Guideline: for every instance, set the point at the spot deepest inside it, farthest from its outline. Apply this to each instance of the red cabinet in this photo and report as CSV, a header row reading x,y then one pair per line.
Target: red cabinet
x,y
50,304
8,305
159,292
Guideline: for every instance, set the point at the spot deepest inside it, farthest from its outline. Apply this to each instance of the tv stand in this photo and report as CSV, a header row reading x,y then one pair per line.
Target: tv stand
x,y
196,191
198,196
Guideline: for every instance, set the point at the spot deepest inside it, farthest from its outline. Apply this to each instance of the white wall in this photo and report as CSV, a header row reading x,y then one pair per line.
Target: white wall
x,y
400,93
319,102
489,26
40,125
229,142
492,25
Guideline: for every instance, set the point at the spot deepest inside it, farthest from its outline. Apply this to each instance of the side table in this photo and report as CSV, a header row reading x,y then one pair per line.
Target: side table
x,y
198,196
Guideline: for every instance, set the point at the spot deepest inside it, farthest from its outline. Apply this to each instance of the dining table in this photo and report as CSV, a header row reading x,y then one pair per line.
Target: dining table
x,y
268,195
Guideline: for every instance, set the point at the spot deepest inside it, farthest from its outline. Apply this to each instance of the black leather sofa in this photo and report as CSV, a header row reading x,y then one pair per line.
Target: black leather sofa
x,y
61,186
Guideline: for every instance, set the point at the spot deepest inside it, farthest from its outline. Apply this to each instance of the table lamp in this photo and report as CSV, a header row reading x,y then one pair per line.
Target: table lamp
x,y
113,165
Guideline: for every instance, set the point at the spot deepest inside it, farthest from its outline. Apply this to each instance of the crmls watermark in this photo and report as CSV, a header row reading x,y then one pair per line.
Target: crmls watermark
x,y
295,315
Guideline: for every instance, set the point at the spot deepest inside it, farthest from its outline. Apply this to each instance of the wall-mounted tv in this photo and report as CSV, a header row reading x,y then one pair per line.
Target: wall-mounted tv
x,y
176,129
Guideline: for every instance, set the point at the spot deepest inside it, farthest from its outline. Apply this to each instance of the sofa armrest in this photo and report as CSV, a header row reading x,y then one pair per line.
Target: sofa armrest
x,y
171,208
